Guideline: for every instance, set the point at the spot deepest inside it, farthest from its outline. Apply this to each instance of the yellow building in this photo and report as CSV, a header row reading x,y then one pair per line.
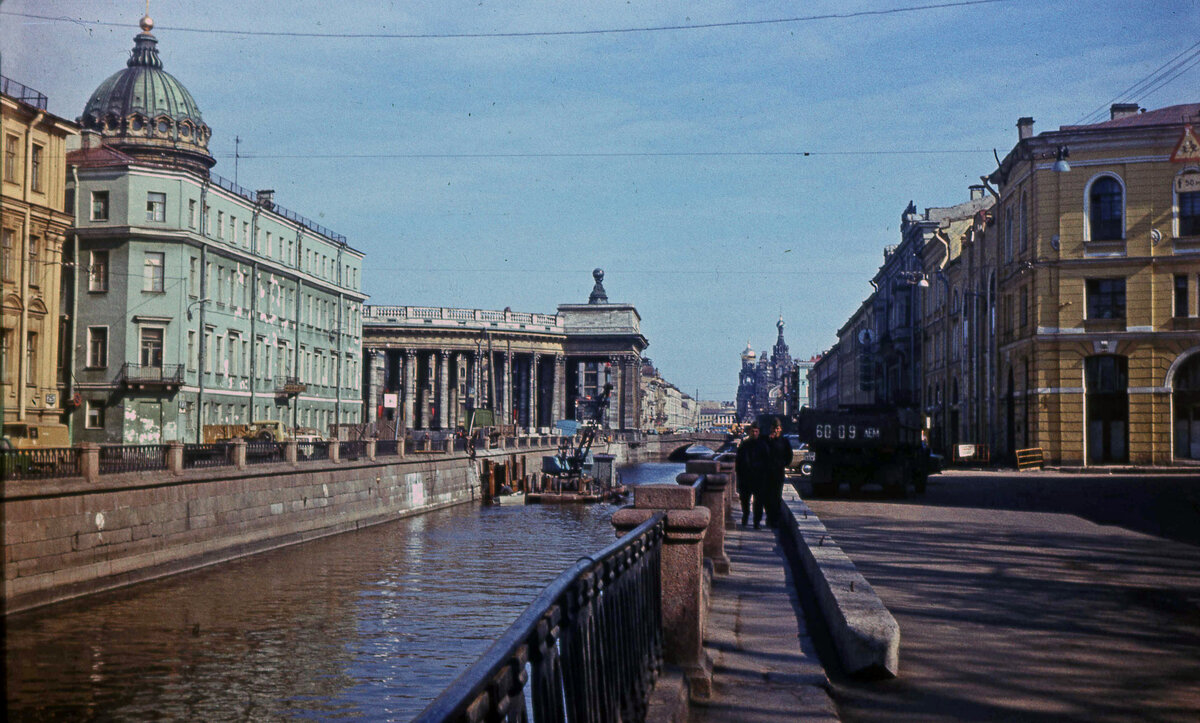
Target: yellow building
x,y
35,222
1097,248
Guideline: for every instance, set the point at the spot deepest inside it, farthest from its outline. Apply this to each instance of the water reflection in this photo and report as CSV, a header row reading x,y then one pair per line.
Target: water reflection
x,y
373,623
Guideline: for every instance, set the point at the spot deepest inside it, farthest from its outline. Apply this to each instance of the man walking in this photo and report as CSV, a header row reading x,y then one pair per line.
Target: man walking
x,y
752,467
779,455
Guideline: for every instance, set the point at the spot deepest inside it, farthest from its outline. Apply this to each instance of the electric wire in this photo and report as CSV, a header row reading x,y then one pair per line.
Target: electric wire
x,y
1143,86
531,33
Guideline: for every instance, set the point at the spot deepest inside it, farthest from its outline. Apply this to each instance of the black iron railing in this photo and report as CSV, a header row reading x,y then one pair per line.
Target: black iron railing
x,y
390,447
589,647
23,93
132,458
306,451
353,449
168,374
289,385
197,456
39,463
264,452
253,197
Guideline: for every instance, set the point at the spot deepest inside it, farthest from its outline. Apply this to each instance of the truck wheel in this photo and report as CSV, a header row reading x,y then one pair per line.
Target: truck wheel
x,y
265,436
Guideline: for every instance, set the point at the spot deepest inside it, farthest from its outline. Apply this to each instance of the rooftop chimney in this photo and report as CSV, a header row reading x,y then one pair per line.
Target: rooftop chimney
x,y
1024,128
265,198
976,191
89,138
1122,110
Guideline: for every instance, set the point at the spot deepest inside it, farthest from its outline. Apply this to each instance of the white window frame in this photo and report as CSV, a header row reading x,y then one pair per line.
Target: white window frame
x,y
1175,199
104,199
156,206
154,270
1087,207
93,408
90,359
98,271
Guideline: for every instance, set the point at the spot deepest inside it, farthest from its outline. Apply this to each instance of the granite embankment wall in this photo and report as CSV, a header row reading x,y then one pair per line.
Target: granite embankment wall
x,y
65,538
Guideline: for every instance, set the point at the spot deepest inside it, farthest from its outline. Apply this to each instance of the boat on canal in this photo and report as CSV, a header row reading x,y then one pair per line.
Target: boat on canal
x,y
574,474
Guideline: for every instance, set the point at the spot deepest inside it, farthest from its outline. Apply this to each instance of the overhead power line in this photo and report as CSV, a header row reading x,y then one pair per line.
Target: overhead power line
x,y
1155,80
613,154
531,33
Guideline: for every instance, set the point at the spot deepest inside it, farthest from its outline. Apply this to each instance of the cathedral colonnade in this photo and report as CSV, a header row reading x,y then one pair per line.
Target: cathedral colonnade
x,y
427,368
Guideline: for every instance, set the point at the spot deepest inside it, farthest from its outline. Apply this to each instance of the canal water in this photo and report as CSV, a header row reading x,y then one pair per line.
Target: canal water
x,y
370,624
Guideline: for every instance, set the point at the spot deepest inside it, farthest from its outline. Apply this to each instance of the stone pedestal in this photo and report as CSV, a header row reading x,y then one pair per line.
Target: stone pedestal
x,y
239,454
712,496
89,461
682,571
175,457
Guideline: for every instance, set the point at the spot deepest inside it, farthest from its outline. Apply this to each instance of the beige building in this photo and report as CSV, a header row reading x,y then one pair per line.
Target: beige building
x,y
1097,271
35,223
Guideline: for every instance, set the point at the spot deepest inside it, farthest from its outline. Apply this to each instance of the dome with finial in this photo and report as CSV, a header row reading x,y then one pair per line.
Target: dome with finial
x,y
145,112
748,353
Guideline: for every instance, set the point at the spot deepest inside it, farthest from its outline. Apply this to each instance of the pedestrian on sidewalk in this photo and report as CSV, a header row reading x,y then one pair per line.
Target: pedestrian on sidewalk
x,y
779,457
752,466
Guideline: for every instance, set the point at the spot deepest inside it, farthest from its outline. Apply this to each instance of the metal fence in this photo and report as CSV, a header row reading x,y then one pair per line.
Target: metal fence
x,y
307,451
117,458
197,456
389,447
589,647
263,452
354,449
40,463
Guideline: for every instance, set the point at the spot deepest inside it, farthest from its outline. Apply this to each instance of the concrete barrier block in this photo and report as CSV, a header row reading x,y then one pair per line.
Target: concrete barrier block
x,y
865,634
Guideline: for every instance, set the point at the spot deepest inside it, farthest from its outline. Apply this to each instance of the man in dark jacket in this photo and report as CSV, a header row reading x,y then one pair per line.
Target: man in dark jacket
x,y
779,456
752,466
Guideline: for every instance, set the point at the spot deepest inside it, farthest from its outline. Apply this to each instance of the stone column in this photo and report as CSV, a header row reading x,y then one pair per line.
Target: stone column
x,y
443,410
430,379
507,404
712,496
89,461
559,405
681,564
616,410
410,391
239,454
533,392
175,457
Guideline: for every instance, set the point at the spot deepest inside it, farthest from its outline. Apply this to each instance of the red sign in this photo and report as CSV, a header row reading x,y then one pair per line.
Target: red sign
x,y
1188,148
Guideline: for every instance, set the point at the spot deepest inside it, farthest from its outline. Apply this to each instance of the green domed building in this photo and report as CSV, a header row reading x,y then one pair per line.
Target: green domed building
x,y
202,303
145,112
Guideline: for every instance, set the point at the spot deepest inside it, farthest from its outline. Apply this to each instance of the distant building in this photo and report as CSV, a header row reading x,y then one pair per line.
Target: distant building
x,y
199,302
35,223
766,384
664,406
718,414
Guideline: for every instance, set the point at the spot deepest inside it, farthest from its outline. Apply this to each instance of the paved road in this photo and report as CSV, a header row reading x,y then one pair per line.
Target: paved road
x,y
1014,607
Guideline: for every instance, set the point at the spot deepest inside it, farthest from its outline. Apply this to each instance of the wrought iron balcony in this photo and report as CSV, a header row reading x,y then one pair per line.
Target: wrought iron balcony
x,y
138,376
289,386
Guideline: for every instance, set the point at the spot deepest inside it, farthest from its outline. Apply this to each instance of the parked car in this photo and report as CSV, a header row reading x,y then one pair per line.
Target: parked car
x,y
802,457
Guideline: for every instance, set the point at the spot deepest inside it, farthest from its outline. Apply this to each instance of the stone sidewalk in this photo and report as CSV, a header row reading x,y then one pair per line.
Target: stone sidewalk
x,y
765,667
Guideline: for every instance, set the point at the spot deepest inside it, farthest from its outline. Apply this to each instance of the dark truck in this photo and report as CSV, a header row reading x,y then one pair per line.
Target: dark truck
x,y
863,445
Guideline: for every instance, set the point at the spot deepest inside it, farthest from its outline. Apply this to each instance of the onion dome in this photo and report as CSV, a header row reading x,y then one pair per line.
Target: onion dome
x,y
749,353
145,112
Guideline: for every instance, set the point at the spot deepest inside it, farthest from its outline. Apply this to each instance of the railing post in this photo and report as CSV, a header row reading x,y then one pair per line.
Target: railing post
x,y
682,568
89,461
712,496
335,450
290,451
371,449
239,454
175,457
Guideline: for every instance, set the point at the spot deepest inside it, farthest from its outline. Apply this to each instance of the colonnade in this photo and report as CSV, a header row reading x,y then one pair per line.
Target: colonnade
x,y
436,389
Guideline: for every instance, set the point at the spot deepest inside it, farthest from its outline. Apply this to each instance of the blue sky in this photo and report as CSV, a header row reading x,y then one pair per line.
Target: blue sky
x,y
711,248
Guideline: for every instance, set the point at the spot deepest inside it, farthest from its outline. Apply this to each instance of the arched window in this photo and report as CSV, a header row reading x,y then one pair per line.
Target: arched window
x,y
1106,209
1024,239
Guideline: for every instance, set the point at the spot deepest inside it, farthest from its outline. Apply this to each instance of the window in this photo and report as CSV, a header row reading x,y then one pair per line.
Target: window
x,y
99,205
10,158
94,415
35,248
1187,187
35,168
193,276
220,224
206,350
191,350
152,271
5,354
1008,234
1106,210
1024,237
97,347
1024,308
1106,298
156,206
152,347
98,271
7,267
192,213
1181,295
31,345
